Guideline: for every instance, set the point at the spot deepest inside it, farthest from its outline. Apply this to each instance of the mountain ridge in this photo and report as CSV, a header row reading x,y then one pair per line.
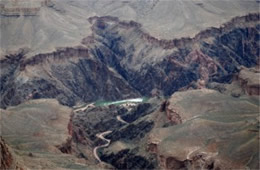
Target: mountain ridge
x,y
127,65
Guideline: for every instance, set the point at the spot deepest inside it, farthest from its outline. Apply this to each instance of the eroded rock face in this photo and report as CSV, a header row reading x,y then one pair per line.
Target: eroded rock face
x,y
6,156
87,124
119,60
37,131
249,80
172,114
245,82
125,159
64,76
171,163
218,132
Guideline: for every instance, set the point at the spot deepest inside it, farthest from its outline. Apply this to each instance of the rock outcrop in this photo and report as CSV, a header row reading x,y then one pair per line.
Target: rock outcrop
x,y
6,156
37,132
249,80
68,74
127,160
9,159
202,141
245,82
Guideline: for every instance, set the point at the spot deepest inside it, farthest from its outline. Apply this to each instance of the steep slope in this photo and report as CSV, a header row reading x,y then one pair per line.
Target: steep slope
x,y
7,157
249,80
163,66
119,60
246,81
215,131
69,75
56,54
92,126
36,131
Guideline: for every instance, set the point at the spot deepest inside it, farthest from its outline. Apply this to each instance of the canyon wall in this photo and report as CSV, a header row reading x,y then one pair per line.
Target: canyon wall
x,y
119,60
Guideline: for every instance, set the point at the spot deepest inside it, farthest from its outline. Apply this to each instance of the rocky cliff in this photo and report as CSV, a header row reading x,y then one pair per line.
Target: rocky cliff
x,y
204,139
119,60
249,80
36,131
6,156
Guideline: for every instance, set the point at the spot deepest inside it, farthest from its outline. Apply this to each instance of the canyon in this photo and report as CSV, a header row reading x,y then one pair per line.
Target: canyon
x,y
137,63
85,88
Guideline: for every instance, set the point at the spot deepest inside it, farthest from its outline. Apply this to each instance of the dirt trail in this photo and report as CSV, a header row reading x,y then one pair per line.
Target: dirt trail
x,y
121,120
101,136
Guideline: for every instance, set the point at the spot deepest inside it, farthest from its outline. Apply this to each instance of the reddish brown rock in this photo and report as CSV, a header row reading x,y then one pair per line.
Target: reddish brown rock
x,y
173,115
6,156
249,80
66,147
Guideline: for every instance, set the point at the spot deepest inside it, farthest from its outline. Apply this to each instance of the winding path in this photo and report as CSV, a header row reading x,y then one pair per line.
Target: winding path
x,y
101,136
121,120
84,108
